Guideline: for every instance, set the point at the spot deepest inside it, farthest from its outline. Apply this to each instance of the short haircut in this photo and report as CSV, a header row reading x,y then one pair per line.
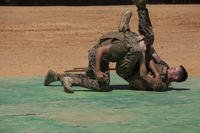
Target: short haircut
x,y
184,74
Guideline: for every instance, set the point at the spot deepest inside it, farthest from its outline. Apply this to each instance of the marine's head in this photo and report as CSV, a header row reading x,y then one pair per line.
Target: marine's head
x,y
177,74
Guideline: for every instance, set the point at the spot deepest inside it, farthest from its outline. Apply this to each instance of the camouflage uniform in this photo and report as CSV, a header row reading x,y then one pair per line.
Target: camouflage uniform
x,y
162,69
125,51
133,75
121,44
90,83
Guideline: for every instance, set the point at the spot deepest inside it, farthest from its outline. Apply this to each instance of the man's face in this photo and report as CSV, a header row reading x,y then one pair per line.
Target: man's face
x,y
174,72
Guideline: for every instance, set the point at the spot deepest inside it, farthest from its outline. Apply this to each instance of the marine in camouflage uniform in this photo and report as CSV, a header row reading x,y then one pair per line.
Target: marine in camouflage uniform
x,y
119,47
133,75
121,44
127,58
124,50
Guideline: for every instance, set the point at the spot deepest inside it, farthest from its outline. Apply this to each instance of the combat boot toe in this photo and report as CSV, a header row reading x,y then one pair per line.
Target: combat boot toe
x,y
140,4
50,77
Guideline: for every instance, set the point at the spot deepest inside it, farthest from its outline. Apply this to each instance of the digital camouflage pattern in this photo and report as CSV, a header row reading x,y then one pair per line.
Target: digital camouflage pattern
x,y
90,83
132,75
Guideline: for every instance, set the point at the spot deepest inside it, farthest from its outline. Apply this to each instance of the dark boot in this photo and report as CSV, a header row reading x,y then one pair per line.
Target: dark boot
x,y
50,77
140,4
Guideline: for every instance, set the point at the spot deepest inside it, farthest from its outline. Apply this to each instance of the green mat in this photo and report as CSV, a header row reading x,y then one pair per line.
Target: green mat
x,y
28,106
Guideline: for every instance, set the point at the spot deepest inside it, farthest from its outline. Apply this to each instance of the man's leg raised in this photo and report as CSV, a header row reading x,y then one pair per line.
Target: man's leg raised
x,y
144,27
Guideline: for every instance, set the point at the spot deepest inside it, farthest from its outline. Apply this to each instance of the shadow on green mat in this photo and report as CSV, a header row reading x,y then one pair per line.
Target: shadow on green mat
x,y
28,106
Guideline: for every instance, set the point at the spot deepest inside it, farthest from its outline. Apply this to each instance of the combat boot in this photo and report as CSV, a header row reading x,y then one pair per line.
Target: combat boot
x,y
50,77
140,4
67,84
124,22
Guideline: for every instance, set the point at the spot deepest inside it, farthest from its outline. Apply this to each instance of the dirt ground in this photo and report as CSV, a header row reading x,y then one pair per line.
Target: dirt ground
x,y
35,39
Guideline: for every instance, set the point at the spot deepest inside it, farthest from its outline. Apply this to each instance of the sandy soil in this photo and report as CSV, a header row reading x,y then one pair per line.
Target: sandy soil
x,y
35,39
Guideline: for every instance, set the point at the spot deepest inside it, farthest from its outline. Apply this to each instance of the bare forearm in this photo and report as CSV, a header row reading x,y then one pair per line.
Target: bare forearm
x,y
143,69
143,73
158,60
99,55
100,52
156,57
154,54
153,67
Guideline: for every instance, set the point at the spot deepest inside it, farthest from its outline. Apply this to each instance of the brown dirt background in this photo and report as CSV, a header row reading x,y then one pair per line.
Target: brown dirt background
x,y
35,39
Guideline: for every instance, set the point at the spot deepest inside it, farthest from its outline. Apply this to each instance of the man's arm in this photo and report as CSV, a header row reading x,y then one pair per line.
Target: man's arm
x,y
148,78
152,83
156,87
143,68
156,57
154,54
154,69
100,52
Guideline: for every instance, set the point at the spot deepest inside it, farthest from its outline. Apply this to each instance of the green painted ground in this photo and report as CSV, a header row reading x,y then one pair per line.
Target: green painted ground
x,y
26,106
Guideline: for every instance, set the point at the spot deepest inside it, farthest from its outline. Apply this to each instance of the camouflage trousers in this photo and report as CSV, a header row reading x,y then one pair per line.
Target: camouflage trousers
x,y
128,68
89,80
145,27
90,83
